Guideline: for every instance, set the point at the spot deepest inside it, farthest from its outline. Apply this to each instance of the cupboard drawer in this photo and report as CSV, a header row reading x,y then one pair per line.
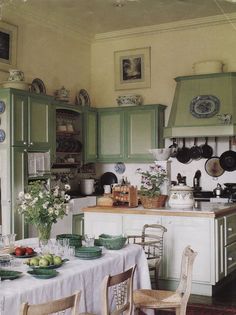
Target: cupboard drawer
x,y
230,258
230,229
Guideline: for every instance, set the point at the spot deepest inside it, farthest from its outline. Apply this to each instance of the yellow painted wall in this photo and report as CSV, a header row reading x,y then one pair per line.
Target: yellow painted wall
x,y
58,58
172,54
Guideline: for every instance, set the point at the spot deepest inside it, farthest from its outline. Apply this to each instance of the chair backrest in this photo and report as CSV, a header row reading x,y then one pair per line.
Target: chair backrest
x,y
119,290
55,306
184,287
152,239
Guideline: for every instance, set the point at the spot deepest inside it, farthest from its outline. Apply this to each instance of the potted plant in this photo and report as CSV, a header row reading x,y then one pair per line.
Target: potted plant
x,y
150,189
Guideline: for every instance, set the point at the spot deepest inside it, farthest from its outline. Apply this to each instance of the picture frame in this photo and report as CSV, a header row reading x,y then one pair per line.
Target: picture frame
x,y
132,68
8,46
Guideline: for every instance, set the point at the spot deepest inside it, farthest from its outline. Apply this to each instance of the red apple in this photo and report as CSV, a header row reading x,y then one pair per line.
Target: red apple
x,y
20,251
29,251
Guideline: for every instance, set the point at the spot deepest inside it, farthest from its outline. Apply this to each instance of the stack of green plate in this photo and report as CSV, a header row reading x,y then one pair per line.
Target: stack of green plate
x,y
88,252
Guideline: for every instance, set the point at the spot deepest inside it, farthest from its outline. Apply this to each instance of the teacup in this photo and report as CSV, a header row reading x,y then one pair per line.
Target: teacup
x,y
16,75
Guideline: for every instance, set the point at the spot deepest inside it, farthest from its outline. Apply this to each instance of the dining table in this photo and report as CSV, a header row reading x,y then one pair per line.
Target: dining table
x,y
76,274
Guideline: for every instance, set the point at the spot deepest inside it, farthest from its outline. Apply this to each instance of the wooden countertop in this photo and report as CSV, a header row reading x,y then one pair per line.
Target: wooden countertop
x,y
204,209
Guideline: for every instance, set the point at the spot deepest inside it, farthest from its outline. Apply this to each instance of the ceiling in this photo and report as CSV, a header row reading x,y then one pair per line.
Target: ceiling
x,y
101,16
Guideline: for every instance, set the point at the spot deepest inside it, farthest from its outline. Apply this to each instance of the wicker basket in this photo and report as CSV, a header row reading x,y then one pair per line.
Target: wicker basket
x,y
112,242
153,202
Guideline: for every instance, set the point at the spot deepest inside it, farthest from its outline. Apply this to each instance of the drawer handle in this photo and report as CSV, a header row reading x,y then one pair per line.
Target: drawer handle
x,y
230,258
230,229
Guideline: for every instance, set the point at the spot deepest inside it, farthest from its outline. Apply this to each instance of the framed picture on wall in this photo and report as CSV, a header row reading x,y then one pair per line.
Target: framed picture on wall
x,y
132,68
8,46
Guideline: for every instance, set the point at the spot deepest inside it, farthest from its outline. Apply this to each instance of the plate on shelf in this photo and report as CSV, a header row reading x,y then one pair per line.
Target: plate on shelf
x,y
37,86
119,167
82,98
2,135
43,273
6,274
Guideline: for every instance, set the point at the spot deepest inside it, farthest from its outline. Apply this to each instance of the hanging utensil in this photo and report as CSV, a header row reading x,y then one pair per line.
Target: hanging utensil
x,y
174,148
212,165
207,150
228,159
183,154
195,151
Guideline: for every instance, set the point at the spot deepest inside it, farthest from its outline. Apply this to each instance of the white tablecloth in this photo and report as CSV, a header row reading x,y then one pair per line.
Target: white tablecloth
x,y
76,274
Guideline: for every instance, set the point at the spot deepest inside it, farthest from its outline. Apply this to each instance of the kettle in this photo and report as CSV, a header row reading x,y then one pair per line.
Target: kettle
x,y
87,186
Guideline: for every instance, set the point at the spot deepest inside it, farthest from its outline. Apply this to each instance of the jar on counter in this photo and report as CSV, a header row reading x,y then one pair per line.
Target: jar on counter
x,y
181,196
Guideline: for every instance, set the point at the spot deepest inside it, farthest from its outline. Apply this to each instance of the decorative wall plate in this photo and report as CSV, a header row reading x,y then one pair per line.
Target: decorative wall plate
x,y
204,106
119,167
82,98
37,86
2,107
2,135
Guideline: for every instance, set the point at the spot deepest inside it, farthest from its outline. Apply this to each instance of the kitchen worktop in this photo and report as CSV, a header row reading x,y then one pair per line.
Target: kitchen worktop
x,y
201,209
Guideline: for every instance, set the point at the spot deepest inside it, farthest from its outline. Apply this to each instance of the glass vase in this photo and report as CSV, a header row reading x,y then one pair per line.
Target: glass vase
x,y
44,233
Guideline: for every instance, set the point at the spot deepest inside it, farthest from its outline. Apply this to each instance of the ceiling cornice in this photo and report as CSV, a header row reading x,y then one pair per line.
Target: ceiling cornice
x,y
167,27
47,21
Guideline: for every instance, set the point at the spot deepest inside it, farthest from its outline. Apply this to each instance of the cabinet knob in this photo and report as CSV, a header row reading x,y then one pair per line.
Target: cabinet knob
x,y
31,143
24,142
25,150
230,229
230,258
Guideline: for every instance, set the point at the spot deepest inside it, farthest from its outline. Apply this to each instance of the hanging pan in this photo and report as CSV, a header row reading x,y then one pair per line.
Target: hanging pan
x,y
207,150
195,151
174,148
212,165
228,159
183,154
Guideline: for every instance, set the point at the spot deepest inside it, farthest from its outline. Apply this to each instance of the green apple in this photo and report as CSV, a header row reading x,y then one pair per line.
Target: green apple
x,y
34,261
49,258
57,260
43,262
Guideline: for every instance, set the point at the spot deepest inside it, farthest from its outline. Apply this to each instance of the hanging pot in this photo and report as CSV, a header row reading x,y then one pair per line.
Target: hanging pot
x,y
207,150
228,159
195,151
183,154
212,165
174,148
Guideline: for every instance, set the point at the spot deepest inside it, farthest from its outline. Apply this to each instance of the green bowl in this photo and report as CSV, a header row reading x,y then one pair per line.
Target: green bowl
x,y
74,239
112,242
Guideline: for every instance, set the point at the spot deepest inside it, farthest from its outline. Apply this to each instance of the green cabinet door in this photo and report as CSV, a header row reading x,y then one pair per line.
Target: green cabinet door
x,y
143,132
19,182
30,120
39,126
90,135
110,135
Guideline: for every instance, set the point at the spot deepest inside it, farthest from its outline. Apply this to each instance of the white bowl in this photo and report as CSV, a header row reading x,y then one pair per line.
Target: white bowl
x,y
129,100
161,154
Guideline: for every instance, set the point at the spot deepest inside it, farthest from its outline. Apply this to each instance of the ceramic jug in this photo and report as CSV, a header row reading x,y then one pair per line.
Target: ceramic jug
x,y
16,75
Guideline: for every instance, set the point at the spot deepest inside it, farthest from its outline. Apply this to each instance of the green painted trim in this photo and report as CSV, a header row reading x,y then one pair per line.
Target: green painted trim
x,y
205,76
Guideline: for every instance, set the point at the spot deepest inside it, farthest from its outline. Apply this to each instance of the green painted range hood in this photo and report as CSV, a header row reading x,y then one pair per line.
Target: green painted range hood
x,y
203,105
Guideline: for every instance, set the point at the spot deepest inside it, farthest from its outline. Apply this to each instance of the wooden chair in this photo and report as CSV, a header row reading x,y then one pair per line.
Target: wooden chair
x,y
177,300
118,288
60,305
152,242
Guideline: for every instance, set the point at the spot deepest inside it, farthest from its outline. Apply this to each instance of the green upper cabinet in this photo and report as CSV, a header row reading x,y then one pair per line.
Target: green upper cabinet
x,y
126,134
31,116
110,135
90,135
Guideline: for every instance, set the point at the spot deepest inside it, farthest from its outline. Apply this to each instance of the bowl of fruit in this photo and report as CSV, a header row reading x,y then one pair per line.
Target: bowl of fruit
x,y
24,252
47,261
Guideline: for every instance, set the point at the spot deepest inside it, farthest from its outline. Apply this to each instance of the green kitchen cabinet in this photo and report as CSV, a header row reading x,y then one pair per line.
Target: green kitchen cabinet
x,y
111,131
90,122
78,224
126,134
31,119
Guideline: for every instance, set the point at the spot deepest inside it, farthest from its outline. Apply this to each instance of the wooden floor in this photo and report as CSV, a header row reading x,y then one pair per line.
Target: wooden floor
x,y
225,296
